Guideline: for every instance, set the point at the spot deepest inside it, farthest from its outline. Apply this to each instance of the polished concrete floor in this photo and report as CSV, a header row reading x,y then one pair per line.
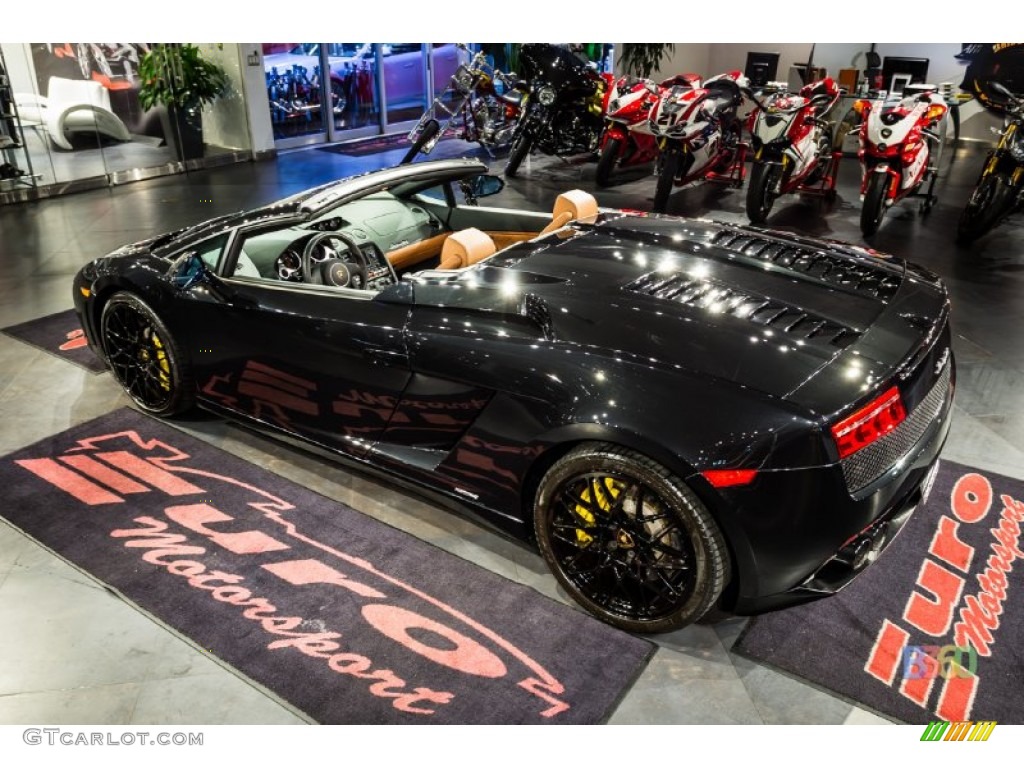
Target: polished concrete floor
x,y
72,652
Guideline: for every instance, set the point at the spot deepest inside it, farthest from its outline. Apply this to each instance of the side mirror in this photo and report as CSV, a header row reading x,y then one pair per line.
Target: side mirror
x,y
188,270
486,185
483,185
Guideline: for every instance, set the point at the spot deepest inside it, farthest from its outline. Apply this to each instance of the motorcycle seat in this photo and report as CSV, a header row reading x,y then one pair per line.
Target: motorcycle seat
x,y
682,80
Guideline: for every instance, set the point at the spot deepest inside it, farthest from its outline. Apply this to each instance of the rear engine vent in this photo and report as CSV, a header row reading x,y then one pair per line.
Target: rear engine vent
x,y
860,277
767,313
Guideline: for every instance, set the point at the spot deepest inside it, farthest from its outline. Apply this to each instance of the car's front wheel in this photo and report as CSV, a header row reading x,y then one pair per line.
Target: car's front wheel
x,y
144,357
629,540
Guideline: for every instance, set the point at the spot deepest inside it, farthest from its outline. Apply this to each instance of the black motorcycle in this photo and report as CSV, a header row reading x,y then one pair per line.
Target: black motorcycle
x,y
561,111
1000,189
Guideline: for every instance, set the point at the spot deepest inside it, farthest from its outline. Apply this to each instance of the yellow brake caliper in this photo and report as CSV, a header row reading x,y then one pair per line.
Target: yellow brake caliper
x,y
607,490
161,358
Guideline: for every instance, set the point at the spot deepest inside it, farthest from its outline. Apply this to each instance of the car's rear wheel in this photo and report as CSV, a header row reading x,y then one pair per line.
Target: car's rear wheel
x,y
144,357
629,540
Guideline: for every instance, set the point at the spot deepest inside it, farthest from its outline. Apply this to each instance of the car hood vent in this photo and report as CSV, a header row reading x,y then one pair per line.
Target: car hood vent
x,y
847,271
770,314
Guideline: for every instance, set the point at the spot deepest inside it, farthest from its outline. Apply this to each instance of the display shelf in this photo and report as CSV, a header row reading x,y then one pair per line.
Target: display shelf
x,y
15,161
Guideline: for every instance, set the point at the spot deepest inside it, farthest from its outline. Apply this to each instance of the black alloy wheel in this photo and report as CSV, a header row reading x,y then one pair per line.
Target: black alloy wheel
x,y
628,540
607,161
873,210
144,358
761,193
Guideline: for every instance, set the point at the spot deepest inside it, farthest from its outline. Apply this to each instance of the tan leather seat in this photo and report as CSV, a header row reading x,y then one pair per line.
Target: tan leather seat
x,y
574,205
465,248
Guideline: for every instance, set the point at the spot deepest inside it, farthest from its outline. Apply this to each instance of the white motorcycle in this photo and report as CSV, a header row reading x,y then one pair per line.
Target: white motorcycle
x,y
698,134
895,155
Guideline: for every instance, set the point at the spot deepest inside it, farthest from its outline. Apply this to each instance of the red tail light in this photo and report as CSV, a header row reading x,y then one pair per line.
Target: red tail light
x,y
723,478
875,420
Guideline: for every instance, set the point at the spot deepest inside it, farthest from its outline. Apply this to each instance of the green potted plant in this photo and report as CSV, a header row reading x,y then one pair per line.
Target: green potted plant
x,y
177,76
642,59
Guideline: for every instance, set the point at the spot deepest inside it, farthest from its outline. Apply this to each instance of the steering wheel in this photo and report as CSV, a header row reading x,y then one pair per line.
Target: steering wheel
x,y
335,269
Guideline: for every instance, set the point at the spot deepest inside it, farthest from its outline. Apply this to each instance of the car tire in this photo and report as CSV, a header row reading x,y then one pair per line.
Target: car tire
x,y
339,101
144,357
628,540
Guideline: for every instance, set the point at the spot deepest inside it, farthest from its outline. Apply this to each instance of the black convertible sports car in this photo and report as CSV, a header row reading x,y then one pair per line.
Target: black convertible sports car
x,y
683,413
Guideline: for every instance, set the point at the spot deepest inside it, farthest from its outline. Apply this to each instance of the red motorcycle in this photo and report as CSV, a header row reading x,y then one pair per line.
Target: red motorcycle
x,y
792,144
629,102
698,135
894,153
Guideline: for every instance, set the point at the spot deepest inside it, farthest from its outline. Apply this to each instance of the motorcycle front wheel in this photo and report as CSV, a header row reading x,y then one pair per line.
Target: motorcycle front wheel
x,y
520,149
873,210
761,194
987,203
606,163
666,179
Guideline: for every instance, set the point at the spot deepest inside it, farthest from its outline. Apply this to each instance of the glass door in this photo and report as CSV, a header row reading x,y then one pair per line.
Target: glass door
x,y
355,95
320,92
404,75
296,92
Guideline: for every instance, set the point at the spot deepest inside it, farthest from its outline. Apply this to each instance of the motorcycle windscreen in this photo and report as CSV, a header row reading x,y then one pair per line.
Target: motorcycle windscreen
x,y
554,64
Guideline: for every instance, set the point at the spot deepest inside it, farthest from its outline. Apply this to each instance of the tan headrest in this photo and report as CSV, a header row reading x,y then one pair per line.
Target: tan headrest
x,y
578,204
465,248
573,205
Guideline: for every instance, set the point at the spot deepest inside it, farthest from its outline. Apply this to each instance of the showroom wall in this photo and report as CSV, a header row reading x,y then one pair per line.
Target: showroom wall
x,y
713,58
254,83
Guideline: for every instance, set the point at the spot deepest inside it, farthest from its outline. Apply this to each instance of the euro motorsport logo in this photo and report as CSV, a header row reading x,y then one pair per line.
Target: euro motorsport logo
x,y
962,731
